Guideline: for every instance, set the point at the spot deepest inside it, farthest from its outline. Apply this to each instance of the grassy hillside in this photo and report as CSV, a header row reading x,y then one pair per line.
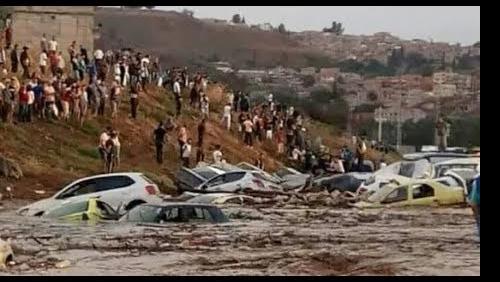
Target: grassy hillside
x,y
178,38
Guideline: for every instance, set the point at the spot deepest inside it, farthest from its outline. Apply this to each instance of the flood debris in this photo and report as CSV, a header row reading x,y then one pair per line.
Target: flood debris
x,y
6,253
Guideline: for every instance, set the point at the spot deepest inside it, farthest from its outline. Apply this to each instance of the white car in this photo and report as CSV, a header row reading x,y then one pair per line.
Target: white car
x,y
409,169
126,190
235,181
440,168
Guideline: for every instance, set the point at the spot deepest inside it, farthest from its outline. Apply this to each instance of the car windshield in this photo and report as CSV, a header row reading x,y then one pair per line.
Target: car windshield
x,y
144,213
207,174
68,209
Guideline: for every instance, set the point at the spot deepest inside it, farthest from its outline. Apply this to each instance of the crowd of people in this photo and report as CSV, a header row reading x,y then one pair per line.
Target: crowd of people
x,y
94,85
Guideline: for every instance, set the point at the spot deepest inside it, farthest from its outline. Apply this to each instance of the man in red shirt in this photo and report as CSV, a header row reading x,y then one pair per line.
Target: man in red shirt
x,y
23,104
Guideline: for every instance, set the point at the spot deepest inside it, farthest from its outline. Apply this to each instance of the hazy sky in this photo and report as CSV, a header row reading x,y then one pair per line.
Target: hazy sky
x,y
449,24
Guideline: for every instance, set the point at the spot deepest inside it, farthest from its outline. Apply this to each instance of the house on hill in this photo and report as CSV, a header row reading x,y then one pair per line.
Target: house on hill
x,y
66,23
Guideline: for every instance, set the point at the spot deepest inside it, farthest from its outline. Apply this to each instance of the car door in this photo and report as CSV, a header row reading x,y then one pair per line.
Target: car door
x,y
397,198
79,191
422,194
115,190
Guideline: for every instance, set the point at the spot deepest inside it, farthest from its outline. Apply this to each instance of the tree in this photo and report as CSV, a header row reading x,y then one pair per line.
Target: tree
x,y
336,28
281,28
236,19
243,20
149,7
188,13
308,81
476,45
132,7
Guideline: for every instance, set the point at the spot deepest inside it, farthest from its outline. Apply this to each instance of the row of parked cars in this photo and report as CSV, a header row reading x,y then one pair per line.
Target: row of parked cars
x,y
420,179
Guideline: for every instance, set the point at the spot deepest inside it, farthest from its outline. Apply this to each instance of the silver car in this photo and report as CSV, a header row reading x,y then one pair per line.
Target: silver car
x,y
235,181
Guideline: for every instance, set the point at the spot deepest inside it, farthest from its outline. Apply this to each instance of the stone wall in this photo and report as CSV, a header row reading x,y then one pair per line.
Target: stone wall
x,y
66,23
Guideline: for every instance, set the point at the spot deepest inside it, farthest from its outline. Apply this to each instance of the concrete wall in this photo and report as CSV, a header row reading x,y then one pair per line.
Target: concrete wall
x,y
66,23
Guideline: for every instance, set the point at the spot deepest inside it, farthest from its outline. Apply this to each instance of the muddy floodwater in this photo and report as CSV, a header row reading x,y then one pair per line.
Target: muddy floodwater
x,y
295,240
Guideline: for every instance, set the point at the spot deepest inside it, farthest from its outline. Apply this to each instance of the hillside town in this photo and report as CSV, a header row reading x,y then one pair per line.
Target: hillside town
x,y
123,161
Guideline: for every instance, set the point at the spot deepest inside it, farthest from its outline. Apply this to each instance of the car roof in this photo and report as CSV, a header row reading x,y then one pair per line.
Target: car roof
x,y
133,174
423,155
471,160
177,204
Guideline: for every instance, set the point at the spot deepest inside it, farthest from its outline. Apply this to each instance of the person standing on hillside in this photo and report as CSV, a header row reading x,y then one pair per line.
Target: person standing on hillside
x,y
103,138
43,44
248,128
135,89
201,132
25,62
244,104
226,117
116,149
182,137
205,105
110,152
186,153
102,95
280,140
114,98
236,101
217,154
177,95
259,162
14,59
52,46
23,104
360,153
159,138
42,63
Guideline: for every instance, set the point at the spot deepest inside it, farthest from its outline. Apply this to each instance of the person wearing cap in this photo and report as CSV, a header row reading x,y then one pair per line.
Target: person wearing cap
x,y
25,62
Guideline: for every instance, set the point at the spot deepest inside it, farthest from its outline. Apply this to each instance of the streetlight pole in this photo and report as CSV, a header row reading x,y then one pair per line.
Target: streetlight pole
x,y
380,119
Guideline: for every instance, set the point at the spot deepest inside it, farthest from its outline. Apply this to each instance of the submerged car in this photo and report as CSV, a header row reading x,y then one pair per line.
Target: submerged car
x,y
424,192
126,189
342,182
434,157
187,179
236,181
221,199
409,169
89,210
175,213
440,168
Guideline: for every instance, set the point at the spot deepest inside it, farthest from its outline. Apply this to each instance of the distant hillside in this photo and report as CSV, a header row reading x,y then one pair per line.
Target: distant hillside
x,y
177,38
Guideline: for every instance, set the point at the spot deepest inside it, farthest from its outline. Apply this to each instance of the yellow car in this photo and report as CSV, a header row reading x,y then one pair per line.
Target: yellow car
x,y
91,210
419,192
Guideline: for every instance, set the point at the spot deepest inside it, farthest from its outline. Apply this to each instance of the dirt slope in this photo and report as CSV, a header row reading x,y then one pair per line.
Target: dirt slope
x,y
179,38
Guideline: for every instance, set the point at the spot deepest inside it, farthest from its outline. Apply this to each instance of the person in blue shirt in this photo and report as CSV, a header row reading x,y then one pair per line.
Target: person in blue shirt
x,y
474,200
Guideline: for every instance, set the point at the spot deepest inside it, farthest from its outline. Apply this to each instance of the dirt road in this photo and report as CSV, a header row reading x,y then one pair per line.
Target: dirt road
x,y
269,241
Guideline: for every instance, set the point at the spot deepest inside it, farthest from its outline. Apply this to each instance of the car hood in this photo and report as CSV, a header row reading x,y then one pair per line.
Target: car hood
x,y
36,207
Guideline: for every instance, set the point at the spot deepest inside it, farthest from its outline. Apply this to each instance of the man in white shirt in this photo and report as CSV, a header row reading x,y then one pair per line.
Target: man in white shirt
x,y
43,62
186,153
53,45
227,116
177,94
217,155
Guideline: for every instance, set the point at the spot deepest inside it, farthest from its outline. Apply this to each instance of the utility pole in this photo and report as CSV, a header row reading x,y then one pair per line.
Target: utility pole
x,y
398,128
380,119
